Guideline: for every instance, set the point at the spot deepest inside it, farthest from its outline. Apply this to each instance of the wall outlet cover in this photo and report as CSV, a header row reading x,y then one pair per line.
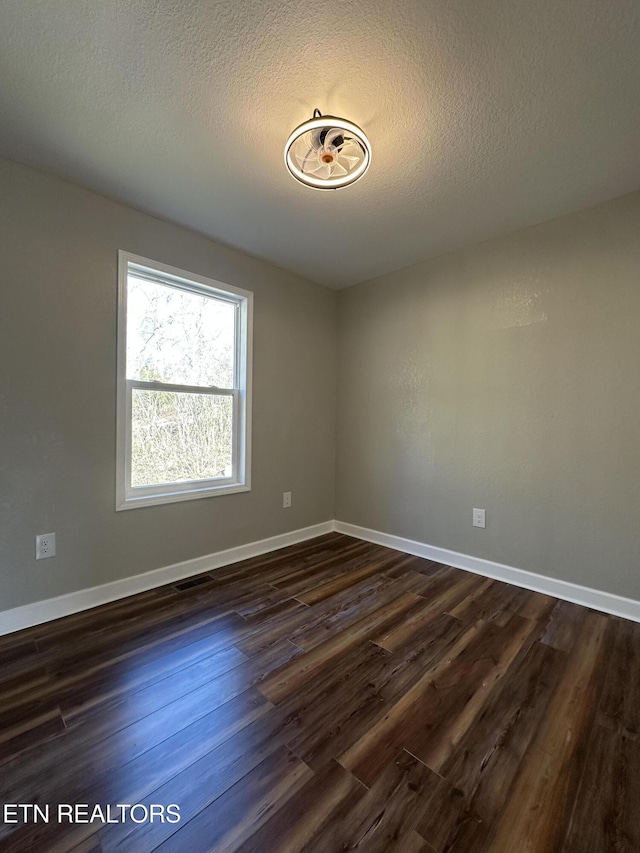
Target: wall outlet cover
x,y
479,519
45,546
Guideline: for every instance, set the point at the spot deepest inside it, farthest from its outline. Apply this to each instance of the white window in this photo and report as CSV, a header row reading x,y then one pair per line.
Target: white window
x,y
184,385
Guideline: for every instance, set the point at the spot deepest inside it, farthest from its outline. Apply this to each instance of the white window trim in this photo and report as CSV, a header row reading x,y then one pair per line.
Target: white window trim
x,y
130,497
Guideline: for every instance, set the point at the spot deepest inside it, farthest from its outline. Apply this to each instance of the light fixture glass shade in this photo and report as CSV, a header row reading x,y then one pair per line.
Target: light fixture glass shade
x,y
327,152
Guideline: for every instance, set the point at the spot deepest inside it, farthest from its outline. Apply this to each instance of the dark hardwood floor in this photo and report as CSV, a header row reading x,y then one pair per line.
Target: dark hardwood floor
x,y
331,696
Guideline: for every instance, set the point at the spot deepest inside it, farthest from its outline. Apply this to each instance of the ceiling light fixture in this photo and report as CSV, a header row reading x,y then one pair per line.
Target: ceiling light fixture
x,y
327,152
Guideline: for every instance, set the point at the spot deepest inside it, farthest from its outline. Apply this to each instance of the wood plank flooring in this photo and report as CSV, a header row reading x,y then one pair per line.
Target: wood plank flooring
x,y
331,696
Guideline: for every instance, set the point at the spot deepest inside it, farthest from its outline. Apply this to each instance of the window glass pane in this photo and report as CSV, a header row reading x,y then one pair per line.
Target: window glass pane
x,y
177,437
179,337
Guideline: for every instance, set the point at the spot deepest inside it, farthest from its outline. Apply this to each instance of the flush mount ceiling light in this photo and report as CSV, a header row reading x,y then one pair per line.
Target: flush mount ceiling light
x,y
327,152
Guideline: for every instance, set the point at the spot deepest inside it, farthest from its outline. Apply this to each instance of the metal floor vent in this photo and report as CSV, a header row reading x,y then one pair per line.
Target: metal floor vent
x,y
193,582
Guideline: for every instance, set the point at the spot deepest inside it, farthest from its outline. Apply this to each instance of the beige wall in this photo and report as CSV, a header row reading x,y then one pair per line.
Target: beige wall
x,y
58,251
505,376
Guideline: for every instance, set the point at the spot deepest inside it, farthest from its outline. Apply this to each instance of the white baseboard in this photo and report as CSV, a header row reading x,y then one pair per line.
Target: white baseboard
x,y
64,605
606,602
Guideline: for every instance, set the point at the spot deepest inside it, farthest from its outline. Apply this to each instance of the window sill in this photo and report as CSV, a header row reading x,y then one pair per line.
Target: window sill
x,y
133,502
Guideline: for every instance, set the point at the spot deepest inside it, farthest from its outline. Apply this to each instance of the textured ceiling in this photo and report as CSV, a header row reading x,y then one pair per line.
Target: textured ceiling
x,y
483,116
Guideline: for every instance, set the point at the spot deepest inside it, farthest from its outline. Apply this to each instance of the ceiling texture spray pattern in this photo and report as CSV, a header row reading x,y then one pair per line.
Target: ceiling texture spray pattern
x,y
483,117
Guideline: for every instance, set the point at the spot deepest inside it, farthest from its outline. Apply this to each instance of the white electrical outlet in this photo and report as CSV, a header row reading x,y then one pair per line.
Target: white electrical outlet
x,y
479,518
286,499
45,546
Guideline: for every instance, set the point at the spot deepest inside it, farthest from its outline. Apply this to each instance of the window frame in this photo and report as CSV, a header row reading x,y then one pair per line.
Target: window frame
x,y
130,497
